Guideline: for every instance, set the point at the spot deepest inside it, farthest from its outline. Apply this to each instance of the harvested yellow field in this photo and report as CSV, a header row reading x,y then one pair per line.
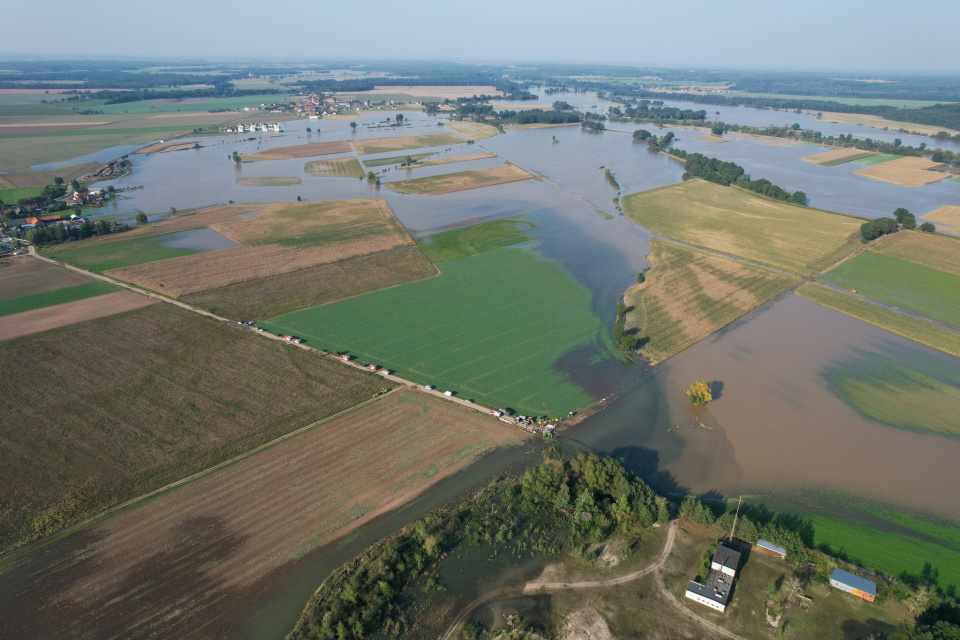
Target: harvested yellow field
x,y
905,172
299,151
272,181
741,223
165,146
474,130
282,238
689,294
461,181
831,157
881,123
946,216
383,145
541,125
926,249
714,139
475,156
345,167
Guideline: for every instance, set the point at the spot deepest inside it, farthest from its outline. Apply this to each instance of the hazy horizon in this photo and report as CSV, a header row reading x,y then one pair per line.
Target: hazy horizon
x,y
877,37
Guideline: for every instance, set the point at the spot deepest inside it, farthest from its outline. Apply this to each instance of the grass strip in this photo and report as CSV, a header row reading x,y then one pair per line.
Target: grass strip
x,y
58,296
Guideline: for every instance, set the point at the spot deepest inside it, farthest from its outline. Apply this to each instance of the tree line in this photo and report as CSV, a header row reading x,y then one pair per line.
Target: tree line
x,y
730,173
902,218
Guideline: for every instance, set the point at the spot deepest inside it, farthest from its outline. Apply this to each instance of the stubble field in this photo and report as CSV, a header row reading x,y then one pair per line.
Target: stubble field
x,y
346,167
689,294
474,130
298,151
215,544
905,172
133,401
383,145
735,221
837,156
460,181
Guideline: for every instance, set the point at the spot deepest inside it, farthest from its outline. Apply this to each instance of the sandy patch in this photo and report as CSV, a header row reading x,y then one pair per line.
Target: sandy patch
x,y
61,315
905,172
586,624
714,139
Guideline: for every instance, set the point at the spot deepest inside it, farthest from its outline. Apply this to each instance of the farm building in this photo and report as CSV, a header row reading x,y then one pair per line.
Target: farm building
x,y
860,587
768,548
716,592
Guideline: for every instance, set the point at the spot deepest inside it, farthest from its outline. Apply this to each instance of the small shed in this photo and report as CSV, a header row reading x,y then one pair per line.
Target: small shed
x,y
851,583
768,548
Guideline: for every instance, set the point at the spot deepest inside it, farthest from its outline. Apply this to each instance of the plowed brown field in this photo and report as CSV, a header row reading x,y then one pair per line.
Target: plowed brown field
x,y
299,151
188,563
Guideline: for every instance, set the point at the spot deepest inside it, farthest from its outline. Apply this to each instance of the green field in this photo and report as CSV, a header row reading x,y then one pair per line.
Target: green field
x,y
689,294
878,536
877,158
382,162
123,253
58,296
735,221
10,196
910,286
476,238
270,297
491,328
906,326
921,396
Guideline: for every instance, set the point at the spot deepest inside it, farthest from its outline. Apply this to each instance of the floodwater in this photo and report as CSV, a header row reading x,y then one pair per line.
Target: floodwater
x,y
106,155
199,240
774,427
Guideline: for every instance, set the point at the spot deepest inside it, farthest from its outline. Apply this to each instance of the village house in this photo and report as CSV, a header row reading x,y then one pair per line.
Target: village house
x,y
723,569
853,584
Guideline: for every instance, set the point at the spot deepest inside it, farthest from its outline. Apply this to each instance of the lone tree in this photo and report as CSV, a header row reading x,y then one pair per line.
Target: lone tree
x,y
236,157
399,118
141,218
353,125
699,393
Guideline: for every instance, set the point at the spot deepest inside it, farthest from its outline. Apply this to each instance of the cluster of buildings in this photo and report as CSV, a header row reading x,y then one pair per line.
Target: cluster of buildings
x,y
716,590
266,127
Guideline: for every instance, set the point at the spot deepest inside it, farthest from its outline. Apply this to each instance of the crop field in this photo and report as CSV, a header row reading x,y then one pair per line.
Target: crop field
x,y
474,156
714,139
272,181
136,400
280,238
473,130
382,162
838,156
878,158
947,216
735,221
460,181
476,238
182,106
57,296
298,151
923,332
27,323
881,123
934,251
327,283
918,397
383,145
689,294
24,276
123,253
490,328
217,542
345,167
905,172
165,146
905,284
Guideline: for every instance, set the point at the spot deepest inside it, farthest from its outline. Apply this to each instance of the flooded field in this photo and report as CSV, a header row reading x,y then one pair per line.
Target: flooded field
x,y
775,426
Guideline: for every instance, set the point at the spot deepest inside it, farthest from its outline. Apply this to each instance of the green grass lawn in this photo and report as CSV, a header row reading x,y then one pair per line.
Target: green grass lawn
x,y
910,286
10,196
491,327
919,396
477,238
58,296
906,326
125,253
738,222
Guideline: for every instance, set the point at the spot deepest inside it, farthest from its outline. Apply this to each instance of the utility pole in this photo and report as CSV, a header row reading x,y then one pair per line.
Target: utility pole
x,y
734,527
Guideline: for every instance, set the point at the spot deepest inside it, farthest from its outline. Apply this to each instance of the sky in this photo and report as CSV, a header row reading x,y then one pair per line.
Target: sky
x,y
845,35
